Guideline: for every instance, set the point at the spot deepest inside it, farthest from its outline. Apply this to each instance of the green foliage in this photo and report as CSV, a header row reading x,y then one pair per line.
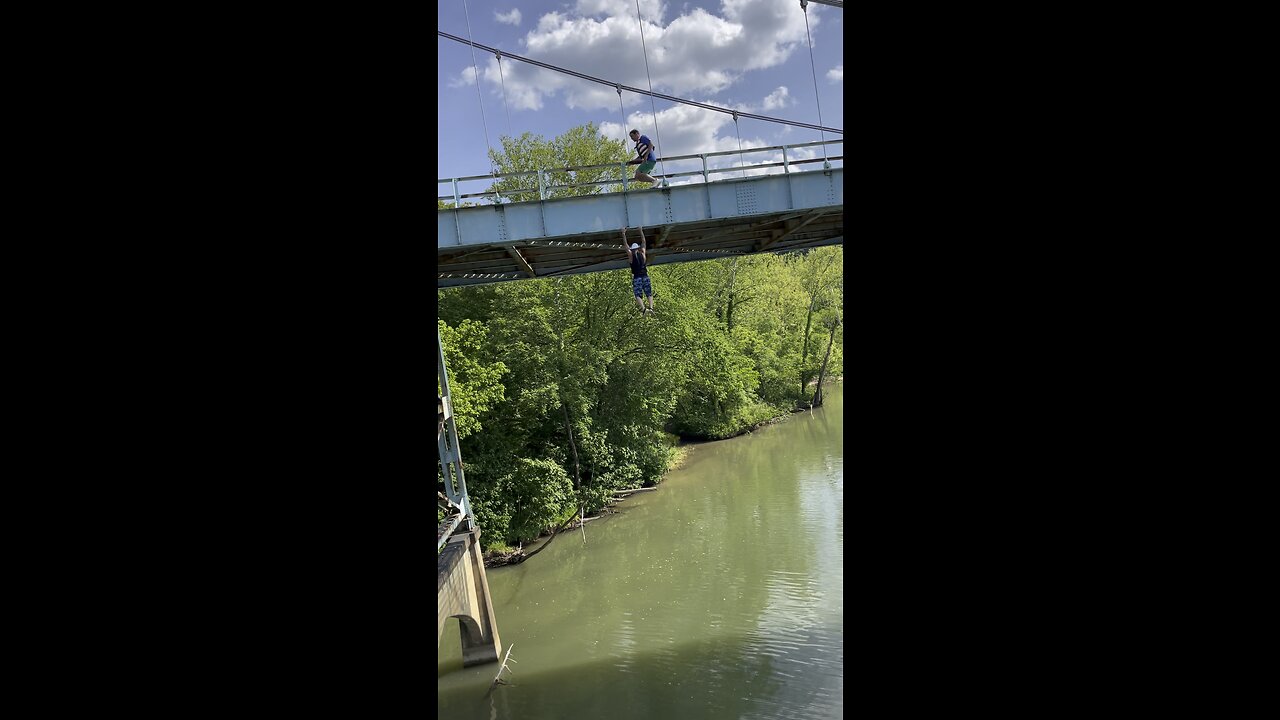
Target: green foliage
x,y
474,386
542,368
582,145
538,491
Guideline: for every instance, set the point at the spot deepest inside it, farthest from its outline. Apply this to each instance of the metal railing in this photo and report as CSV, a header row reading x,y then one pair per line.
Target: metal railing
x,y
453,516
546,189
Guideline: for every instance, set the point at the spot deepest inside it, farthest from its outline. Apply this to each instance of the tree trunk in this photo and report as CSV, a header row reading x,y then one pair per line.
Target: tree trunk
x,y
554,533
804,376
564,407
728,315
560,387
817,396
577,476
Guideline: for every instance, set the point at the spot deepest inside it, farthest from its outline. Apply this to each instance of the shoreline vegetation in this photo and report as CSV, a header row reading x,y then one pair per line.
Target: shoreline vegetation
x,y
500,556
565,395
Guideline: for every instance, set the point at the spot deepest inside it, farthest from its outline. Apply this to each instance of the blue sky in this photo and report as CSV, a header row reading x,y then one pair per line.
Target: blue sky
x,y
748,54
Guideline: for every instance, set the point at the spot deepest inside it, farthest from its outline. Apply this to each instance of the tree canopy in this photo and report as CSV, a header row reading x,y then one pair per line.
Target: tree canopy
x,y
567,393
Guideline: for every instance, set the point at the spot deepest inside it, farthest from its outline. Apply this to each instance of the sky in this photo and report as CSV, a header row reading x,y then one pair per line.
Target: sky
x,y
752,55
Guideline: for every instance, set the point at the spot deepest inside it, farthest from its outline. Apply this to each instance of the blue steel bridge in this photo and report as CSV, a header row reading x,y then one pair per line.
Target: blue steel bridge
x,y
700,214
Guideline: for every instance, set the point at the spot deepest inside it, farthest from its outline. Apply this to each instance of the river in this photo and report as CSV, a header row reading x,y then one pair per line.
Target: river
x,y
720,595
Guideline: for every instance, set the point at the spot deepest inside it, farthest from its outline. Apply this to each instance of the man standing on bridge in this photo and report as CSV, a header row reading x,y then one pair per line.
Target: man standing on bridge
x,y
639,270
645,157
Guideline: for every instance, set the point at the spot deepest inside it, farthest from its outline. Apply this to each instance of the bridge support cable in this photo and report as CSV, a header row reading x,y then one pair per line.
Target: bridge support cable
x,y
505,109
626,212
656,132
741,163
476,70
642,91
804,6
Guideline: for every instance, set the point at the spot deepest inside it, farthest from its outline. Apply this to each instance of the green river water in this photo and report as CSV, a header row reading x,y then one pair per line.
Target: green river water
x,y
720,595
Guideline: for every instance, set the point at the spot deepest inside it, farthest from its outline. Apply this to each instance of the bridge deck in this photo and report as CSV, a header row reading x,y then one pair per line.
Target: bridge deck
x,y
516,241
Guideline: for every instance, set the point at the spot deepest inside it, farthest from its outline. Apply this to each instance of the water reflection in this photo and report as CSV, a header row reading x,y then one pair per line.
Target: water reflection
x,y
720,595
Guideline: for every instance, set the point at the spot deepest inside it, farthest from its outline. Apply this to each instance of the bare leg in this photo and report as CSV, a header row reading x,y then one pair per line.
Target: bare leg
x,y
650,303
640,303
644,178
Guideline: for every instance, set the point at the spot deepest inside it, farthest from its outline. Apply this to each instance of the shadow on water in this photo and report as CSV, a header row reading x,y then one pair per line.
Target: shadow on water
x,y
715,677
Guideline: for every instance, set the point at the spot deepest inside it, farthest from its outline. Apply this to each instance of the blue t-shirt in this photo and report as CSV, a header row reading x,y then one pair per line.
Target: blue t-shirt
x,y
644,140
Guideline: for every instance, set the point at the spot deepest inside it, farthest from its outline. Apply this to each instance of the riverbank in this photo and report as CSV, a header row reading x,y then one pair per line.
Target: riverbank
x,y
774,419
679,455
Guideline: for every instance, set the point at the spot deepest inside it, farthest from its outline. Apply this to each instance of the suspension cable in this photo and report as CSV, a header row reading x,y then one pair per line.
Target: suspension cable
x,y
477,78
504,95
741,163
804,5
641,91
623,112
656,132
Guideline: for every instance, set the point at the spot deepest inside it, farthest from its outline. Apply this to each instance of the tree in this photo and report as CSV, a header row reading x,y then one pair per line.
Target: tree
x,y
578,146
821,270
474,385
565,395
448,204
834,323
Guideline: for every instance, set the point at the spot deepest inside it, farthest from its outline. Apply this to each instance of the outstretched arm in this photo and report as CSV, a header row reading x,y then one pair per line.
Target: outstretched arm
x,y
625,246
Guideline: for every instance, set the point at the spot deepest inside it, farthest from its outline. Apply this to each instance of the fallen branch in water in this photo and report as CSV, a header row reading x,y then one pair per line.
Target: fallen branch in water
x,y
629,491
544,545
497,679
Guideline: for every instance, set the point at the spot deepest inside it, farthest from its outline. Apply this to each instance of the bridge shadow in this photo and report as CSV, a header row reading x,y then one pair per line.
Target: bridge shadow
x,y
733,676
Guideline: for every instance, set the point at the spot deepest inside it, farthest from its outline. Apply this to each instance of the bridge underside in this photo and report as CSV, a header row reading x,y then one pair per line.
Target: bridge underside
x,y
519,241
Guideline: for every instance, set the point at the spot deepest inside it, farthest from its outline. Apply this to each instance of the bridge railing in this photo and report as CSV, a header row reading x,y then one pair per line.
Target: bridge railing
x,y
784,156
452,516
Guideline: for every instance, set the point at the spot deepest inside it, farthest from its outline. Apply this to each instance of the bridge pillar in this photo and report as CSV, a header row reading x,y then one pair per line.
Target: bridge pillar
x,y
462,591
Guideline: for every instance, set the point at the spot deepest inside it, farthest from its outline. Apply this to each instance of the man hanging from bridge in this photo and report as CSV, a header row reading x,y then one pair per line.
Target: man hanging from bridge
x,y
639,270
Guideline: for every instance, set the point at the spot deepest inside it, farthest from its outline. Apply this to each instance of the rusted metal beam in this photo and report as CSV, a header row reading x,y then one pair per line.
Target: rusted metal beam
x,y
791,227
511,250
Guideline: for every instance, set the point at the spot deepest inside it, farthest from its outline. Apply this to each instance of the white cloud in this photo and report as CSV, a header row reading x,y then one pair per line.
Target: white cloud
x,y
688,130
465,78
649,9
508,18
836,74
696,52
779,98
522,95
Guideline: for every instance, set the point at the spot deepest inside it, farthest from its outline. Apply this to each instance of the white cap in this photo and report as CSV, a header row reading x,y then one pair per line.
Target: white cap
x,y
635,246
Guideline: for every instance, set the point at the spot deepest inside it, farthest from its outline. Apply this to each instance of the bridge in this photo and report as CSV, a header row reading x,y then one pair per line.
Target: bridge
x,y
531,233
